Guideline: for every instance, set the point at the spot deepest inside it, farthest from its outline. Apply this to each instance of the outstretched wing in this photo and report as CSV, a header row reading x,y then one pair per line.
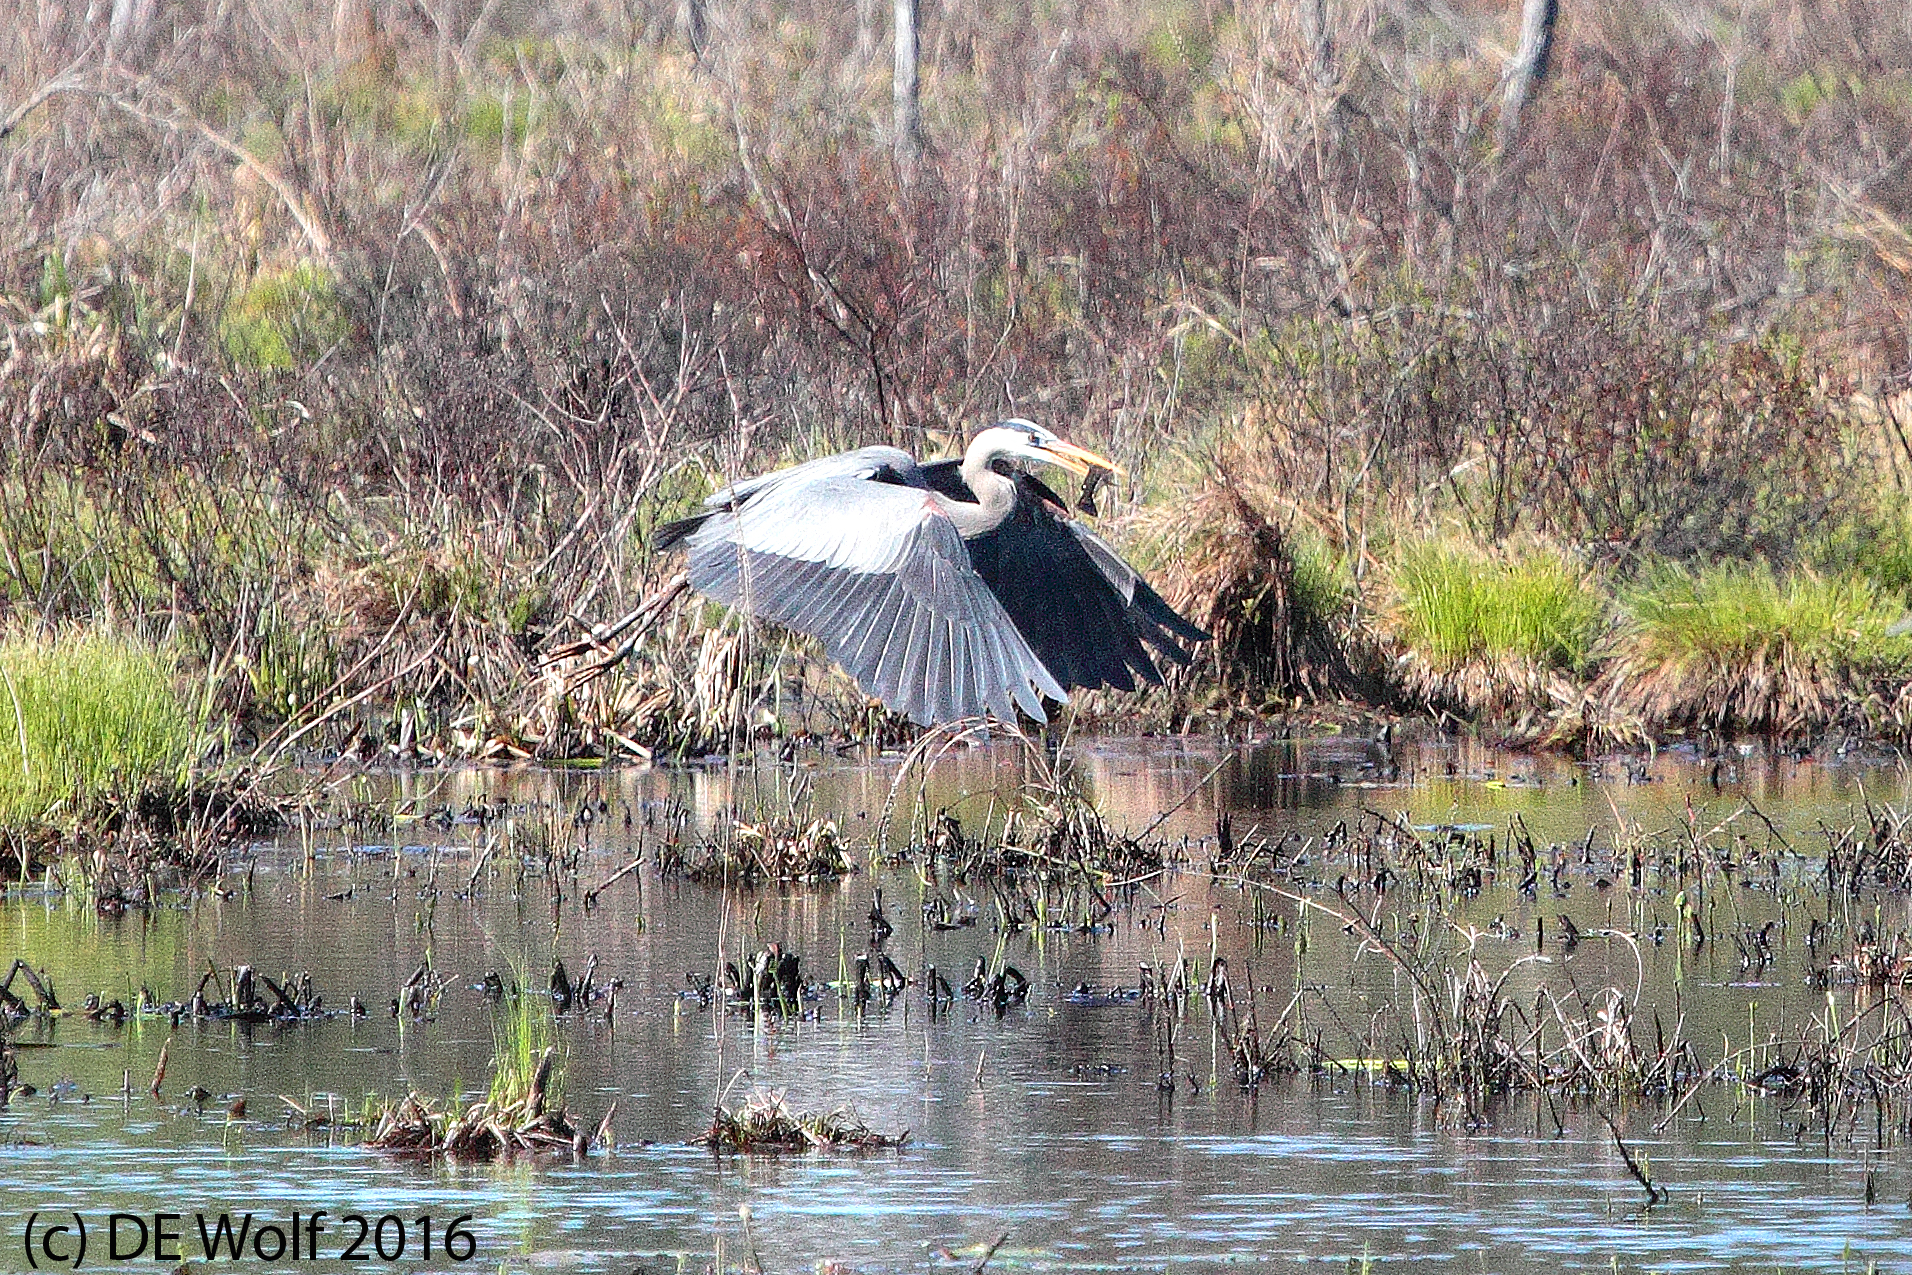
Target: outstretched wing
x,y
876,571
881,464
1089,616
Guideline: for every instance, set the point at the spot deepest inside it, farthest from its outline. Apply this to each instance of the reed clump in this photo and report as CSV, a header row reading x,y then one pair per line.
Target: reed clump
x,y
482,1131
1495,634
1062,836
101,744
522,1112
1873,850
91,718
1564,1003
1273,594
781,850
1054,833
1736,646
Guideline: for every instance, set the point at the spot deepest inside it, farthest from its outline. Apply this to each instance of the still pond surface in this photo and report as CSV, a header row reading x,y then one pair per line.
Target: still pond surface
x,y
1050,1125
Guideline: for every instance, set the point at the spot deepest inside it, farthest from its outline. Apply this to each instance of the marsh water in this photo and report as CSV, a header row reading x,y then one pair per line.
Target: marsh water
x,y
1052,1125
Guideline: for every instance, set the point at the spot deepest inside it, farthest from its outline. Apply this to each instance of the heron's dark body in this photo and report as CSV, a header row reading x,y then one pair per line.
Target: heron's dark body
x,y
1074,616
863,551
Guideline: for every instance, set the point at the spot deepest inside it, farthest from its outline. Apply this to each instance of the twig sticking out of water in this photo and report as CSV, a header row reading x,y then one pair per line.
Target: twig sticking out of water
x,y
591,895
989,1253
478,868
1655,1195
49,1003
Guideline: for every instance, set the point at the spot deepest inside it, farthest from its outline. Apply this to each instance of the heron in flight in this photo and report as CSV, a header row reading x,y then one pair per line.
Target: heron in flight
x,y
945,589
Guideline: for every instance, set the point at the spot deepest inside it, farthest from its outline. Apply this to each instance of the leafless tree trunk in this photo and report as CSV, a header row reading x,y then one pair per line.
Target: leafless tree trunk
x,y
352,30
693,25
1524,77
909,112
1313,16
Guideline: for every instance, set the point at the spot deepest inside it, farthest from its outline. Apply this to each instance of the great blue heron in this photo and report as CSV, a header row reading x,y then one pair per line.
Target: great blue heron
x,y
944,589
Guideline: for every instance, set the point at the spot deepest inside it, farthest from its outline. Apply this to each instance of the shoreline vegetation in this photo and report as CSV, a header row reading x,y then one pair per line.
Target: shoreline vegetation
x,y
350,358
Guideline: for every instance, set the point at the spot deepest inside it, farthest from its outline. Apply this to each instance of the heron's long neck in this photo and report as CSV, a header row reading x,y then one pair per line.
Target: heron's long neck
x,y
995,496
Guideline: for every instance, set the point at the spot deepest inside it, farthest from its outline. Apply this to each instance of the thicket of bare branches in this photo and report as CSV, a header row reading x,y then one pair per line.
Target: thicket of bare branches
x,y
335,326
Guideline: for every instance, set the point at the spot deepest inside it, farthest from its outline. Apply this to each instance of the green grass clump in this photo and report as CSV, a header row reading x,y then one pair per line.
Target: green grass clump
x,y
521,1032
1880,549
1735,612
1737,645
87,716
1456,604
285,319
1323,579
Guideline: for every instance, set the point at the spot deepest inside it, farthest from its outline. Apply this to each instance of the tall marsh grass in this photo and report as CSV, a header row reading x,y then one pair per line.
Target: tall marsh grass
x,y
1737,645
521,1034
1454,603
87,715
1489,631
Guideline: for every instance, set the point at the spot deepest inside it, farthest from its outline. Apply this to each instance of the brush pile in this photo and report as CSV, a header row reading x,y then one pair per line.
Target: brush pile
x,y
1272,607
765,1125
486,1130
1058,834
781,851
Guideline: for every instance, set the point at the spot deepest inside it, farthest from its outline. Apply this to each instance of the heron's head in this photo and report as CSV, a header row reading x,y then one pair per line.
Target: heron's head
x,y
1018,439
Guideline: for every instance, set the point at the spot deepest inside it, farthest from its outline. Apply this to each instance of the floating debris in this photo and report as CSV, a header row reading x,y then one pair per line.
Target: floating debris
x,y
1088,994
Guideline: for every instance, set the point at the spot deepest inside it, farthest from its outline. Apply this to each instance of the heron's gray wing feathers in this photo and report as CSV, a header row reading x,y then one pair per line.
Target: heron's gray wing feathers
x,y
878,573
864,462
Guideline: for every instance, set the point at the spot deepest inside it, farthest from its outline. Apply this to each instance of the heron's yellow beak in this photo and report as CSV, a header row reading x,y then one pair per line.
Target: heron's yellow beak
x,y
1079,460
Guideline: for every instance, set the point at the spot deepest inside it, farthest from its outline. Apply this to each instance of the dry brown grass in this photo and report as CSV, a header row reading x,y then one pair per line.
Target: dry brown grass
x,y
765,1125
1276,633
324,325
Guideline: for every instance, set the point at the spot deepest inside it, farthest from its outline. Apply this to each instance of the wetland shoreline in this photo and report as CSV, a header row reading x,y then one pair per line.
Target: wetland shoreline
x,y
369,433
351,357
